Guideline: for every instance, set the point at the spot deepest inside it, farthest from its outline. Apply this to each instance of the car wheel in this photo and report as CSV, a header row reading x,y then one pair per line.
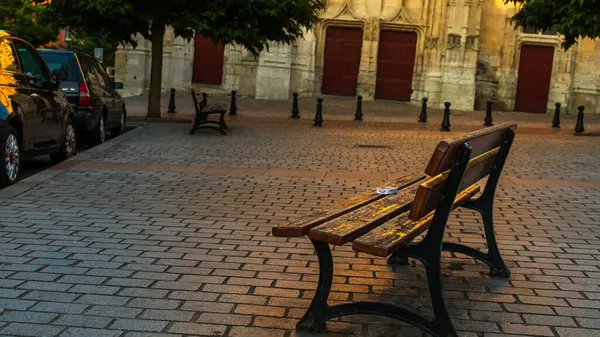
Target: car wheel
x,y
11,165
119,130
68,148
99,134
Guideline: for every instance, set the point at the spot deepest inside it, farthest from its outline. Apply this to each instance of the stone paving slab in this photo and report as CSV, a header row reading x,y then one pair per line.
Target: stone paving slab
x,y
158,233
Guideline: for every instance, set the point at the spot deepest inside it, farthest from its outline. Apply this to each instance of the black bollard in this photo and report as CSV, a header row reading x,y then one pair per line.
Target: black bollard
x,y
233,107
423,116
172,102
488,114
204,101
319,114
446,121
295,108
556,120
579,126
359,113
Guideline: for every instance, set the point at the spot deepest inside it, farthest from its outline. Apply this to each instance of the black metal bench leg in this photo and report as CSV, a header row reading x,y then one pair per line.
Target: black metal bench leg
x,y
315,317
194,128
498,267
222,125
485,206
442,324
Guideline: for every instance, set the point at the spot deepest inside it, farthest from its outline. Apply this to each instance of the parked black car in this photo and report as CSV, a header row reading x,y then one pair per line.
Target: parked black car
x,y
98,106
35,116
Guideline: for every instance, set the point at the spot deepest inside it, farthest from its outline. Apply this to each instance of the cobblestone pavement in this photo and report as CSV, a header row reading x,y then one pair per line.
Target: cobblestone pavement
x,y
159,233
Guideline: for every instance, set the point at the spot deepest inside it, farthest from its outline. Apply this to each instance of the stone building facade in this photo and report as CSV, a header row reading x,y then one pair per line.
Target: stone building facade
x,y
463,51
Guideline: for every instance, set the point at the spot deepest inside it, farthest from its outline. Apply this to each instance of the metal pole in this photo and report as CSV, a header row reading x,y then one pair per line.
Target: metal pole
x,y
579,126
233,108
446,121
172,102
295,107
423,116
359,113
488,121
319,114
556,120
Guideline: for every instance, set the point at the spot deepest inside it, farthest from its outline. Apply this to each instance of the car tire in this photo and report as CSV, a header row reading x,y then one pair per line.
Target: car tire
x,y
120,129
99,132
11,156
68,147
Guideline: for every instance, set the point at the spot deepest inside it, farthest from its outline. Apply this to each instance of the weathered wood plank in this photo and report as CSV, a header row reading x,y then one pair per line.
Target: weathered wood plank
x,y
430,191
350,226
398,232
300,227
481,141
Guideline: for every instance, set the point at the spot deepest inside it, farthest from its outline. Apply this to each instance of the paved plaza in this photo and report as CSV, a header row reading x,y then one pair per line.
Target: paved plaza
x,y
159,233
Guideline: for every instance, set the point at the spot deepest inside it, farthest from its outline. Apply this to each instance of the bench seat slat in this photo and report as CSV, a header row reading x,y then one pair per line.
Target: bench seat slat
x,y
400,231
350,226
300,227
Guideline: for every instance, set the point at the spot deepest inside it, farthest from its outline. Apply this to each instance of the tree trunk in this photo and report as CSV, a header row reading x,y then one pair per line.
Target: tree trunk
x,y
157,39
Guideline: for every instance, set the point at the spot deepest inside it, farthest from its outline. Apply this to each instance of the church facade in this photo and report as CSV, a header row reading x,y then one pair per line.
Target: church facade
x,y
464,51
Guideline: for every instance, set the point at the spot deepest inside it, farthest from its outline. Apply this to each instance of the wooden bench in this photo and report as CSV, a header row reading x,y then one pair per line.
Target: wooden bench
x,y
203,111
386,226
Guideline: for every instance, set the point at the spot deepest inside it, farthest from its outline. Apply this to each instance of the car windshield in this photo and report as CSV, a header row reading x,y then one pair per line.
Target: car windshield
x,y
56,60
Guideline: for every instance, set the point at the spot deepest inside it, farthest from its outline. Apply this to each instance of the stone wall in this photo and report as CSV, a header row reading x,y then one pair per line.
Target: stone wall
x,y
467,53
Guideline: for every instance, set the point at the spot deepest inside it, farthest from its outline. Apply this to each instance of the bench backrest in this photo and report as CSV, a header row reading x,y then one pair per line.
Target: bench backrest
x,y
487,151
195,98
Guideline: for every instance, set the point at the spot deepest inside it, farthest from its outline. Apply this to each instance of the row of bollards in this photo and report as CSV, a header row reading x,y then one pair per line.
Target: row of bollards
x,y
579,128
488,120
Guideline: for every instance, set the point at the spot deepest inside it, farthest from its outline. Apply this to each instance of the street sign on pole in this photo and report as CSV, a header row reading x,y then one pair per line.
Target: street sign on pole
x,y
99,54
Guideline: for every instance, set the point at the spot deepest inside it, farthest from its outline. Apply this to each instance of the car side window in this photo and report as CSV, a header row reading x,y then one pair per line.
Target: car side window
x,y
103,74
8,57
101,79
91,73
31,62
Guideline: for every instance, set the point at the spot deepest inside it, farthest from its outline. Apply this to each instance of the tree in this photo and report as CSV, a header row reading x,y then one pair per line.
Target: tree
x,y
249,23
572,18
22,18
86,42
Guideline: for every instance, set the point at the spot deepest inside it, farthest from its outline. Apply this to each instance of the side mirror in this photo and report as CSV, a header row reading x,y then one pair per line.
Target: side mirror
x,y
117,85
61,74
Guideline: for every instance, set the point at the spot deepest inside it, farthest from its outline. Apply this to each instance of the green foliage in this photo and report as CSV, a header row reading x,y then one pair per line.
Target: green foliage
x,y
88,43
251,23
572,18
22,17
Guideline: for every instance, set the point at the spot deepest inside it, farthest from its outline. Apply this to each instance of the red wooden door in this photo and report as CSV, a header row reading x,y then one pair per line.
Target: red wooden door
x,y
342,61
208,61
535,71
395,65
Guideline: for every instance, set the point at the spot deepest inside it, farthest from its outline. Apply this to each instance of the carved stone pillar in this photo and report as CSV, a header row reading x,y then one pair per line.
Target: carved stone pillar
x,y
460,58
367,74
